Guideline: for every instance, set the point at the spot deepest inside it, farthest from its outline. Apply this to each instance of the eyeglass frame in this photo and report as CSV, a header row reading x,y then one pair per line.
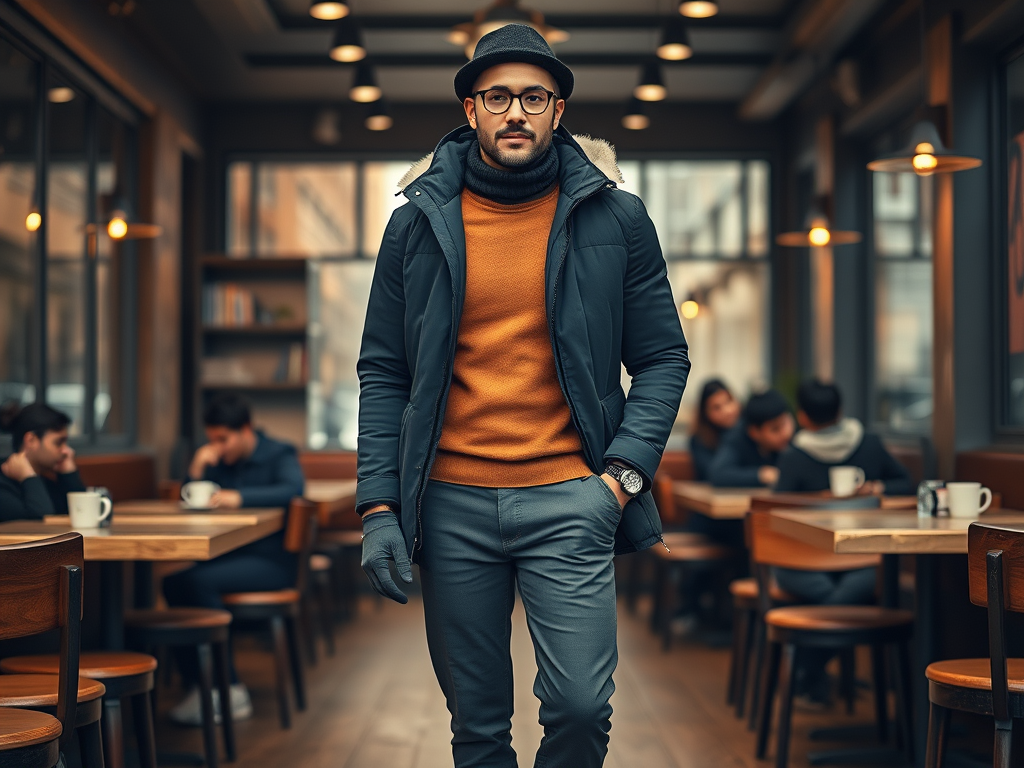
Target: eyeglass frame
x,y
516,96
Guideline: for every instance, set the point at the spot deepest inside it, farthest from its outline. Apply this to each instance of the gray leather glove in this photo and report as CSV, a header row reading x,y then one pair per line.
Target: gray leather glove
x,y
383,541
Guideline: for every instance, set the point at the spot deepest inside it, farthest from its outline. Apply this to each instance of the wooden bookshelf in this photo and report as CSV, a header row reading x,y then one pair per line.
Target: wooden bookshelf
x,y
256,330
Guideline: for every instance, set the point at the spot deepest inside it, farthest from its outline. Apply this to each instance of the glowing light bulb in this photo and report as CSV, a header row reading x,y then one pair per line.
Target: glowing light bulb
x,y
118,227
635,122
924,164
674,51
328,11
650,92
379,122
690,309
33,221
819,236
698,9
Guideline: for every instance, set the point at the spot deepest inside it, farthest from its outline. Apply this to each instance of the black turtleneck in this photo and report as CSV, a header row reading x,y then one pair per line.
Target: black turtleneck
x,y
508,187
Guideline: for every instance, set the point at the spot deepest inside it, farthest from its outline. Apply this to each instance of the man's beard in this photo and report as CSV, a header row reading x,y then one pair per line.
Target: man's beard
x,y
513,160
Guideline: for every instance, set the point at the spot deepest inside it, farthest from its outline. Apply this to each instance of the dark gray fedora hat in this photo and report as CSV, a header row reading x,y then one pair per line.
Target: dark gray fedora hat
x,y
513,42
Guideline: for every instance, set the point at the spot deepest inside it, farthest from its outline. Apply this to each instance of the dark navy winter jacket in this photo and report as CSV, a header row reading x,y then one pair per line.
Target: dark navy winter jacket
x,y
268,478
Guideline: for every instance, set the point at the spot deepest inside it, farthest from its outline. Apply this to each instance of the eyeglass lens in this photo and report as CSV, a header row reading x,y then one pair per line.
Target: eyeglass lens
x,y
497,101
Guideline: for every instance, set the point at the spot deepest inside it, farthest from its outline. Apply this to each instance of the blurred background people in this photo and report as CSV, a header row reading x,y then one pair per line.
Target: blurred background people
x,y
717,413
36,478
750,451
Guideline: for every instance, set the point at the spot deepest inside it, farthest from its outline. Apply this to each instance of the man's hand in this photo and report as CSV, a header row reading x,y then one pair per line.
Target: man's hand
x,y
768,475
67,464
872,488
616,487
207,456
226,499
383,541
18,468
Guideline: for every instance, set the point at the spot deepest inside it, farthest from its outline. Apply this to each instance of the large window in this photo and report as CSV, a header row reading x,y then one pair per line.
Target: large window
x,y
1012,384
902,221
66,163
711,215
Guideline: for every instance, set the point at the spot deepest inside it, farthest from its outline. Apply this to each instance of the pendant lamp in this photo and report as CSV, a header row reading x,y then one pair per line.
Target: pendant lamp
x,y
635,117
675,41
364,85
651,87
698,9
817,232
347,45
378,118
328,10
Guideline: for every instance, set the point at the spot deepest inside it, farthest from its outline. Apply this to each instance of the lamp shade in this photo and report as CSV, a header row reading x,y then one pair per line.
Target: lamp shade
x,y
651,86
924,155
364,85
378,118
347,45
698,9
675,40
635,117
328,10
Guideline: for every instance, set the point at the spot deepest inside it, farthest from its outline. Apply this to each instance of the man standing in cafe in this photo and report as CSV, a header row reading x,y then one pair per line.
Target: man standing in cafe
x,y
496,447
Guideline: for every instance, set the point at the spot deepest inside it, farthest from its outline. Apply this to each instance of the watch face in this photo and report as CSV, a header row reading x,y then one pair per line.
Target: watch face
x,y
631,482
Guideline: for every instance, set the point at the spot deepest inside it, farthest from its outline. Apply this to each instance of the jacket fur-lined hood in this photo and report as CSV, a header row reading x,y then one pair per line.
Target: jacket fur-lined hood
x,y
600,152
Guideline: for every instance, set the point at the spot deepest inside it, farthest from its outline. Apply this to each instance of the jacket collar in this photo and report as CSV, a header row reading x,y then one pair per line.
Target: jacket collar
x,y
585,163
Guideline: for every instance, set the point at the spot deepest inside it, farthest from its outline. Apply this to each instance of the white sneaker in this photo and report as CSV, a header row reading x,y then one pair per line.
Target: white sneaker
x,y
190,712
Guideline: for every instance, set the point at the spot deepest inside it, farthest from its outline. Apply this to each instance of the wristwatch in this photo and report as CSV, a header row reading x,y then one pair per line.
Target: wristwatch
x,y
629,479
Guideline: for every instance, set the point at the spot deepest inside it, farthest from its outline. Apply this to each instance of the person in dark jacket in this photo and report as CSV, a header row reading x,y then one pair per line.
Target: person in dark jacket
x,y
252,470
826,439
35,480
750,451
496,446
717,413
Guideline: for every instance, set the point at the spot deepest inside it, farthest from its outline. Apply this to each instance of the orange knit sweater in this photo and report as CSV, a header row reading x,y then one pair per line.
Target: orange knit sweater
x,y
506,423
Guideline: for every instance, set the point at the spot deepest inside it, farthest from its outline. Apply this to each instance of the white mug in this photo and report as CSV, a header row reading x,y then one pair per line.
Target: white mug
x,y
198,493
845,481
965,499
84,509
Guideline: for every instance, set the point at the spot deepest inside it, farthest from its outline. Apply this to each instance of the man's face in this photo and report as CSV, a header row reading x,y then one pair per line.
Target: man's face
x,y
47,452
773,436
514,139
233,444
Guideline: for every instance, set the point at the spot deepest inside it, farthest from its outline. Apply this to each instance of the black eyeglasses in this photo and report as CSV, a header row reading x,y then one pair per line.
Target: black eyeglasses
x,y
533,101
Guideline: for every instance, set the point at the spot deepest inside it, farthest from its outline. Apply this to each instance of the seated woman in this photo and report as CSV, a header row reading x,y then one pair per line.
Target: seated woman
x,y
35,480
717,413
253,470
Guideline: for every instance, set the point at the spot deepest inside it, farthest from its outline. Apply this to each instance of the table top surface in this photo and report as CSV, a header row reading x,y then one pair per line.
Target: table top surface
x,y
718,503
883,532
186,536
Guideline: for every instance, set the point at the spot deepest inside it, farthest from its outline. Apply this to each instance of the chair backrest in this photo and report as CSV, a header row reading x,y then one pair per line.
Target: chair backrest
x,y
299,535
41,590
995,561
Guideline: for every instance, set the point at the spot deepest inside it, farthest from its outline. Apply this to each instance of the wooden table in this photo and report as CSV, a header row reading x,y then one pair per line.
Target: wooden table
x,y
716,503
146,539
768,500
335,501
891,534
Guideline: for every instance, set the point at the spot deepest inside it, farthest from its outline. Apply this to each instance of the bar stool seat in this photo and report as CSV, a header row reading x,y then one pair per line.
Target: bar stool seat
x,y
277,597
95,665
319,563
838,618
975,674
27,691
29,739
206,630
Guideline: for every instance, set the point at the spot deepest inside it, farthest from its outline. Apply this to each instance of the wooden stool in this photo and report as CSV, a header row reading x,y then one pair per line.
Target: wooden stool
x,y
281,608
321,568
124,675
346,549
206,630
41,590
681,551
28,739
834,627
992,686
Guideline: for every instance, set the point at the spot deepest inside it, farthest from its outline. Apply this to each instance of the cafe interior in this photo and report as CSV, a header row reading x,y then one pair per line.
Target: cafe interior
x,y
193,194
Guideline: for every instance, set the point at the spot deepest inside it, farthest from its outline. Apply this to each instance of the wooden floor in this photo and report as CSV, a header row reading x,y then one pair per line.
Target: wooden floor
x,y
376,704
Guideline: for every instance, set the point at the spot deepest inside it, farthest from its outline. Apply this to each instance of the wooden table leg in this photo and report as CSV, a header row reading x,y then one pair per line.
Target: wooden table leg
x,y
112,605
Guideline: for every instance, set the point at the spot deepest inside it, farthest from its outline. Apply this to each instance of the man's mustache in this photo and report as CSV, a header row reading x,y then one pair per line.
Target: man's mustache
x,y
511,130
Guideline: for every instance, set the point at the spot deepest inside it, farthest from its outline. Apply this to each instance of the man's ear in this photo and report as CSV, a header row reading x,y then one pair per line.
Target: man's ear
x,y
30,442
469,104
559,108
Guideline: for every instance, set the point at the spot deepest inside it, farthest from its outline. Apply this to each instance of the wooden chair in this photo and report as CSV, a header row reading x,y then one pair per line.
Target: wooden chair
x,y
281,609
41,590
992,686
320,599
838,627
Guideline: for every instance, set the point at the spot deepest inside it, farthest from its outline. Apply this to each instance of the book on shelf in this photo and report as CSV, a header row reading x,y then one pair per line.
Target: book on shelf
x,y
292,365
229,305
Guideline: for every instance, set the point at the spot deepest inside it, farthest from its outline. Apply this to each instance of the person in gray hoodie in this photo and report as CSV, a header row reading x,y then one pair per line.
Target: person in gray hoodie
x,y
826,439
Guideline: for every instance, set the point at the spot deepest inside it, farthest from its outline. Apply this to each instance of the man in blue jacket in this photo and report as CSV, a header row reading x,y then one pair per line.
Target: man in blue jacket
x,y
496,446
750,451
252,470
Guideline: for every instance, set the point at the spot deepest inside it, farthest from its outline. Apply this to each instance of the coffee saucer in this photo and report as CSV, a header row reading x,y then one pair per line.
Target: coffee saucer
x,y
189,508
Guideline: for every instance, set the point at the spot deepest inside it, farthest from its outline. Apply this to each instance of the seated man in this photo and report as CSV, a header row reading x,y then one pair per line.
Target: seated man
x,y
36,479
252,470
826,439
750,451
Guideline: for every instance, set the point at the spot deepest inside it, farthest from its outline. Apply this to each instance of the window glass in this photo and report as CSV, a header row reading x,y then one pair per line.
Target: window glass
x,y
66,200
1014,379
17,230
380,183
306,209
239,210
902,212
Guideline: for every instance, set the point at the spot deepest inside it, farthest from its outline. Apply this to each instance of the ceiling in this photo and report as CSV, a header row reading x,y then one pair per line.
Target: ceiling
x,y
272,50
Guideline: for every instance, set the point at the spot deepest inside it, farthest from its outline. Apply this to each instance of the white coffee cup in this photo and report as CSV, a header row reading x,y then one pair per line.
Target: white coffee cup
x,y
845,481
84,509
965,499
198,493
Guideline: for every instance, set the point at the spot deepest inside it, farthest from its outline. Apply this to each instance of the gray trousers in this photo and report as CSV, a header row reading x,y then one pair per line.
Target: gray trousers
x,y
555,543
